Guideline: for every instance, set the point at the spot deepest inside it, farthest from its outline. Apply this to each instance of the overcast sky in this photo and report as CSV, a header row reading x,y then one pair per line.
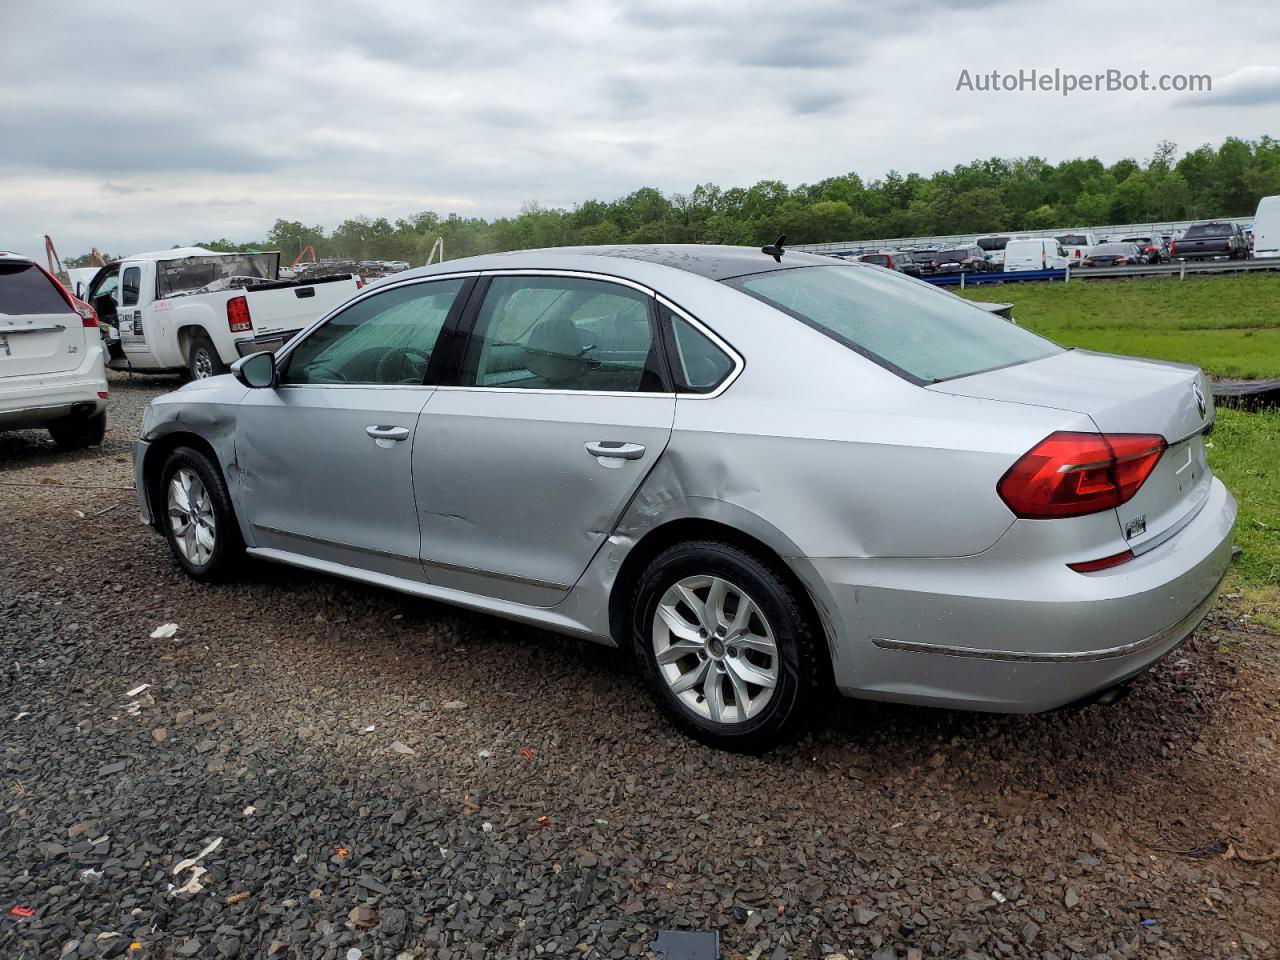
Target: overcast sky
x,y
148,124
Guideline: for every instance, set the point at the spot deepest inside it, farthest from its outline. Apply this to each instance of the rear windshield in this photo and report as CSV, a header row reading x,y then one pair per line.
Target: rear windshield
x,y
24,288
992,243
177,278
1112,249
952,256
878,258
1073,240
918,331
1207,230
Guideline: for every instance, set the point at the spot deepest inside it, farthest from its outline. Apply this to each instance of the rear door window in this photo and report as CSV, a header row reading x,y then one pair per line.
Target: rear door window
x,y
25,288
918,331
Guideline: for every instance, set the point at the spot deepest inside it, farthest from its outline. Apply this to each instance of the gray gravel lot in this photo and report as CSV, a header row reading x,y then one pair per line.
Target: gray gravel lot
x,y
390,776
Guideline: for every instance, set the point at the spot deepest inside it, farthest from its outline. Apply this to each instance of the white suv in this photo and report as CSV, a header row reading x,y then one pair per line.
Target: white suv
x,y
52,370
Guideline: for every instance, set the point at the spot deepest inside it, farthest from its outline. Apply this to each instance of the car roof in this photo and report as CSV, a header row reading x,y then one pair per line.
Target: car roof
x,y
9,255
714,262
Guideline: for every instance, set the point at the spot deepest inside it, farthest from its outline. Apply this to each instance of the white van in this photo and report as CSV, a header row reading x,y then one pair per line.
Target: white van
x,y
1038,253
1266,228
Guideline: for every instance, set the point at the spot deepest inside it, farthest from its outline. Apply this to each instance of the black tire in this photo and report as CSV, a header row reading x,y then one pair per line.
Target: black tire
x,y
76,433
802,666
228,546
203,360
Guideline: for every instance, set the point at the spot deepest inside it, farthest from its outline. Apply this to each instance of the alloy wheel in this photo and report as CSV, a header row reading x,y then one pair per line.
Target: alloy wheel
x,y
191,517
715,650
203,365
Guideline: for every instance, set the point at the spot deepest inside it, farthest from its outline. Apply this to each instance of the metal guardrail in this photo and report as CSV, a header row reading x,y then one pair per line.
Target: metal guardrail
x,y
1178,270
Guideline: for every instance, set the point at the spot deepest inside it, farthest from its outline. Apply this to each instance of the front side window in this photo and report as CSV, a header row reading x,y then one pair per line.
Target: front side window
x,y
387,338
130,286
564,333
918,331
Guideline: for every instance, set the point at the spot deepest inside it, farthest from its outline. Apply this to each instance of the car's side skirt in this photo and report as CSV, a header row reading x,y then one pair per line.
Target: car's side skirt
x,y
544,617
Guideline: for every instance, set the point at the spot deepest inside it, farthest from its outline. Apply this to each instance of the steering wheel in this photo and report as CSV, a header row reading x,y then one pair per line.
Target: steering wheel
x,y
410,364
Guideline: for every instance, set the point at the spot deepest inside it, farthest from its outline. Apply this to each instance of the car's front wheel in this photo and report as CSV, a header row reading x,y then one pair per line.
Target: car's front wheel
x,y
198,519
727,646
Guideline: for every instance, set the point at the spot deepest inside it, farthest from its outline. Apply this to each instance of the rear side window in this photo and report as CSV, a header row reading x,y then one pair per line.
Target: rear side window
x,y
564,333
918,331
25,288
698,365
130,285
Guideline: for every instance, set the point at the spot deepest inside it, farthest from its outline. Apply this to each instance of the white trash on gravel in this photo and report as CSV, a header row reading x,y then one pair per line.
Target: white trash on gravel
x,y
138,689
164,631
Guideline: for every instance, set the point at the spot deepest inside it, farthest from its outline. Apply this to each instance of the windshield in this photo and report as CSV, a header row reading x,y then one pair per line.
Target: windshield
x,y
176,278
952,256
918,331
1207,230
1112,250
992,243
1073,239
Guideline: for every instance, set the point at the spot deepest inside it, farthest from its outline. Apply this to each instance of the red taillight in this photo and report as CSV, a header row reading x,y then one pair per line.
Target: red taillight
x,y
102,394
359,283
1227,246
88,316
1103,563
1079,253
238,319
1072,474
1173,248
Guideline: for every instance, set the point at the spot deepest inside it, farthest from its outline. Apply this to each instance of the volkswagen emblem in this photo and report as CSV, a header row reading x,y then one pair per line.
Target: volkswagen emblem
x,y
1199,395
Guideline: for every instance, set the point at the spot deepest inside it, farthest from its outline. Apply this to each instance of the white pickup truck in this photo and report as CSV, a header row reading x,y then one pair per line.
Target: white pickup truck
x,y
192,309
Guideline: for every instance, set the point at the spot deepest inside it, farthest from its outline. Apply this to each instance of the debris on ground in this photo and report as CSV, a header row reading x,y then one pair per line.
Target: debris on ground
x,y
164,631
403,748
686,945
363,915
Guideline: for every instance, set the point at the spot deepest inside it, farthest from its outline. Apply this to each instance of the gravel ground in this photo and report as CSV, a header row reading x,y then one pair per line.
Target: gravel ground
x,y
353,770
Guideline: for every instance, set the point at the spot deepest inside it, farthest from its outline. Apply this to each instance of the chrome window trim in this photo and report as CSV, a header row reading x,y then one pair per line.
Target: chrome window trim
x,y
739,363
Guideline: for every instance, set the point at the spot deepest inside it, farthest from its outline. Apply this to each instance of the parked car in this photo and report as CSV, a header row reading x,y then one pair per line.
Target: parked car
x,y
52,372
1154,249
924,257
195,310
1115,255
994,248
1039,253
970,259
1077,245
1266,228
807,474
1211,240
899,260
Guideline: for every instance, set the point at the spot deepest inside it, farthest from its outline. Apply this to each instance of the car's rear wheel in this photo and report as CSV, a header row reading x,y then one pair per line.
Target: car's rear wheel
x,y
203,361
727,646
198,519
75,433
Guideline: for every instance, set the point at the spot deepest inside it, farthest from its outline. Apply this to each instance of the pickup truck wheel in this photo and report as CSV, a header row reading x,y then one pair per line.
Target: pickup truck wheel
x,y
198,519
75,433
203,360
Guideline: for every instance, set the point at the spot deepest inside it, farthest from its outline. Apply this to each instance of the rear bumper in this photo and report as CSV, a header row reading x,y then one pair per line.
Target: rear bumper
x,y
37,400
1003,631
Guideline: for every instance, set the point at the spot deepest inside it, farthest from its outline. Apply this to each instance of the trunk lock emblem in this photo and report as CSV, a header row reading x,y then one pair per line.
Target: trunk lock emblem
x,y
1135,527
1199,395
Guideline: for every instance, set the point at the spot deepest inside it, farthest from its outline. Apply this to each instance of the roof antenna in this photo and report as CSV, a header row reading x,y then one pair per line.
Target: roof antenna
x,y
775,249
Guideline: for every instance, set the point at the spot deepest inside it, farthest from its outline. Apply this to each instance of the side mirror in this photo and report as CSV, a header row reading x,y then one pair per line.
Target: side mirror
x,y
258,371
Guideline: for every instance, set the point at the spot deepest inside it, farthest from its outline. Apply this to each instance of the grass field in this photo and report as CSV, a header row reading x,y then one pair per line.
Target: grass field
x,y
1229,326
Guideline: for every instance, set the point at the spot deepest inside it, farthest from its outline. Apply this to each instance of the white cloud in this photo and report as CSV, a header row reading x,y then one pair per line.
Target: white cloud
x,y
151,124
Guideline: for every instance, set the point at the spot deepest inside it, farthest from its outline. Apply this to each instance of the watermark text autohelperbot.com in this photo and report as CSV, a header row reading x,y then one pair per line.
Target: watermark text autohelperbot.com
x,y
1065,83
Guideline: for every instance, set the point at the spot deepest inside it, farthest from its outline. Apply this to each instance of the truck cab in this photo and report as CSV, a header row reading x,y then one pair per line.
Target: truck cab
x,y
196,310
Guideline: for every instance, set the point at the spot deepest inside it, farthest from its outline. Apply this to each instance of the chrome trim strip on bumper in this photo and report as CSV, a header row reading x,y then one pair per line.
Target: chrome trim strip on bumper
x,y
1185,625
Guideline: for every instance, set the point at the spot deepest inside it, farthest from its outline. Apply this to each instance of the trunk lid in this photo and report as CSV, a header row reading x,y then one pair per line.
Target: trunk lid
x,y
39,332
1122,395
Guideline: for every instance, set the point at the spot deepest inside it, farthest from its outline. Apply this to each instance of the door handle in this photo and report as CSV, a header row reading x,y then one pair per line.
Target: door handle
x,y
616,448
387,433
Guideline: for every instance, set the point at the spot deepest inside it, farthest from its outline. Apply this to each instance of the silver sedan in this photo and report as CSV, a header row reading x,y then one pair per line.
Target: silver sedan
x,y
764,474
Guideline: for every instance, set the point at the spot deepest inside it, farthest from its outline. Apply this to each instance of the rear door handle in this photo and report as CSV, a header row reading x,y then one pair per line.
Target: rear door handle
x,y
384,435
616,448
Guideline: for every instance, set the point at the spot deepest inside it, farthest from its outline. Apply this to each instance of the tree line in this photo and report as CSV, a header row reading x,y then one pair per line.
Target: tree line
x,y
985,196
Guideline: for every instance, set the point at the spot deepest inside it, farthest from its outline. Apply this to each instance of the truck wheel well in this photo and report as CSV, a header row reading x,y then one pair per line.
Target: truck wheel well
x,y
186,335
158,452
680,531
